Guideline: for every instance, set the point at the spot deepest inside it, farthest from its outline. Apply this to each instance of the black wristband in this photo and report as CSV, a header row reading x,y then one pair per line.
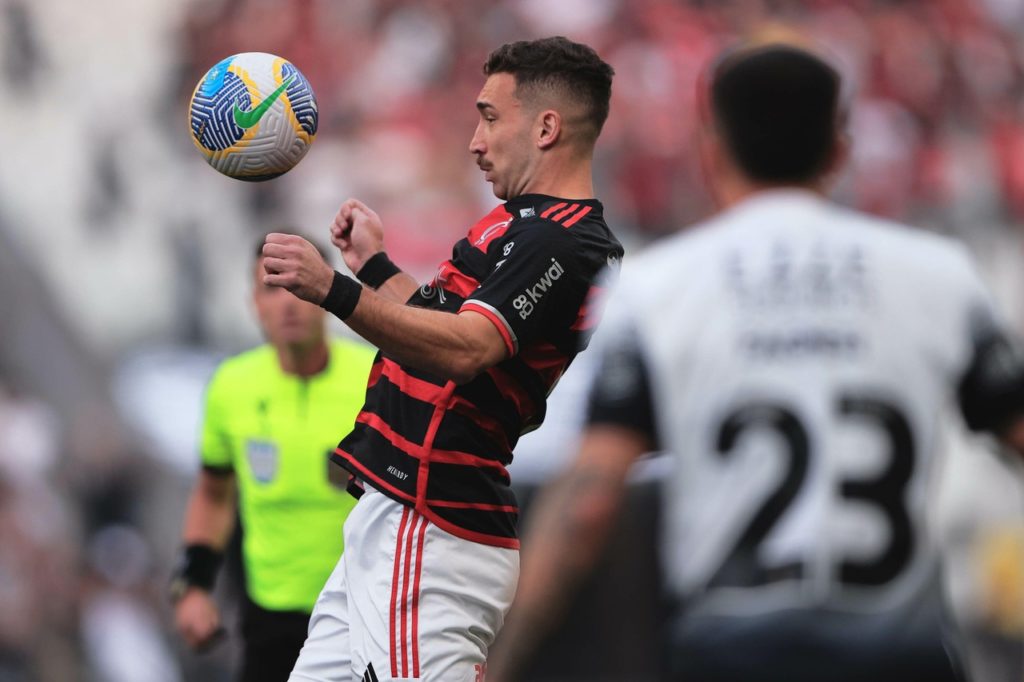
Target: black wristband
x,y
377,270
341,300
198,566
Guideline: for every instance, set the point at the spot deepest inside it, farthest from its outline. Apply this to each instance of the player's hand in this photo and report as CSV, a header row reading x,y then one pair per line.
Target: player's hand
x,y
197,618
293,263
358,233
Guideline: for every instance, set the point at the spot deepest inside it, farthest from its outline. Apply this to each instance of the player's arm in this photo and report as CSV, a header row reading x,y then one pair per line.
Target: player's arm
x,y
209,521
454,346
991,391
569,526
359,235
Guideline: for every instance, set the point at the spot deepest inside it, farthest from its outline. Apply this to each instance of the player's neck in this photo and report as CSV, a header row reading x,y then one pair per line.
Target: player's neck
x,y
303,360
565,179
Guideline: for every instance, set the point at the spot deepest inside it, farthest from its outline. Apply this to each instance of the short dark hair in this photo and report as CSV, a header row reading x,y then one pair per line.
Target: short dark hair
x,y
558,64
257,252
777,107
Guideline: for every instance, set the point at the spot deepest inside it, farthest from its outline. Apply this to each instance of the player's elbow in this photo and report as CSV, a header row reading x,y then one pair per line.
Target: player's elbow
x,y
466,367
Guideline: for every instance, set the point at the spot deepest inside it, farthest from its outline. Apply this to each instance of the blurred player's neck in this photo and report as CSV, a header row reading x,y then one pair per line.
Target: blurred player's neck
x,y
303,359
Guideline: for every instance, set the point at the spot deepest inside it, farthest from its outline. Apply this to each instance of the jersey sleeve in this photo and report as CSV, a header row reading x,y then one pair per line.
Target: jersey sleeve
x,y
621,389
214,443
990,385
537,284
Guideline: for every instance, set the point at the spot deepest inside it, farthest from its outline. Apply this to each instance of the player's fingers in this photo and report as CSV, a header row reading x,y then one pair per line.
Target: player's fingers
x,y
276,280
272,265
279,238
275,250
362,207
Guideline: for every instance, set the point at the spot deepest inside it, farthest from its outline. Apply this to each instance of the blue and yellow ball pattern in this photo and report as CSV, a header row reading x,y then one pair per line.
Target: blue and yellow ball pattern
x,y
253,116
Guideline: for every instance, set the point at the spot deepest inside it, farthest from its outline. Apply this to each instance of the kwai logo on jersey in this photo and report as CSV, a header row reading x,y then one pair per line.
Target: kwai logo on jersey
x,y
525,302
262,455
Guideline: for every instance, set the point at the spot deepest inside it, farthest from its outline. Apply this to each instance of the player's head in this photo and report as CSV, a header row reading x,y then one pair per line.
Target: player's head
x,y
775,118
286,319
542,98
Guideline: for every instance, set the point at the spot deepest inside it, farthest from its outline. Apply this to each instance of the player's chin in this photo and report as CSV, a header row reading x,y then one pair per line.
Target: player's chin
x,y
499,190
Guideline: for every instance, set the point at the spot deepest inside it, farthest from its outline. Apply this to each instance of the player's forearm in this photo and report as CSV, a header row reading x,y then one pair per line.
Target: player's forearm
x,y
399,288
430,340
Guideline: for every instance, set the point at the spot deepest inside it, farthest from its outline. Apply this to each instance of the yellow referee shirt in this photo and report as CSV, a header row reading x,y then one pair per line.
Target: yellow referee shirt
x,y
276,431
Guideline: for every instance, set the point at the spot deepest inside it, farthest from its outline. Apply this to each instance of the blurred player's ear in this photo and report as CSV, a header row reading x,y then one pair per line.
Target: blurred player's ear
x,y
549,128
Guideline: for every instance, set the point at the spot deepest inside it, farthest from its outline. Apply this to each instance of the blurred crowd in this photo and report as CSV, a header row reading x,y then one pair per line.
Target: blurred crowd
x,y
936,90
936,87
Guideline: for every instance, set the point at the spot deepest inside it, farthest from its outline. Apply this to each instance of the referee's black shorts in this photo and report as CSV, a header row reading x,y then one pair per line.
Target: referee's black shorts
x,y
271,642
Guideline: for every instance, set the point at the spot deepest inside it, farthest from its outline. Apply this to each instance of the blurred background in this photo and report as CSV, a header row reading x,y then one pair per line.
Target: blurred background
x,y
125,260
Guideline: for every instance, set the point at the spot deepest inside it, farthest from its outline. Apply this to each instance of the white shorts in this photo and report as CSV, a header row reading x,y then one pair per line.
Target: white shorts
x,y
407,601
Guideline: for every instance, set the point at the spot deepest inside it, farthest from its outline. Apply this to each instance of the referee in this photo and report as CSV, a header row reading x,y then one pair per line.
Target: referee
x,y
272,416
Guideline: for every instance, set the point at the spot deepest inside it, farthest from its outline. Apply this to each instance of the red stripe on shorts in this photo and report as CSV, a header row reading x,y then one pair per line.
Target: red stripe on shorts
x,y
405,593
416,602
394,590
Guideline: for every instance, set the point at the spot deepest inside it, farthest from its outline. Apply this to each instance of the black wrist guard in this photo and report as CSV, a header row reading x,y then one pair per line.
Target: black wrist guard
x,y
377,270
341,300
197,567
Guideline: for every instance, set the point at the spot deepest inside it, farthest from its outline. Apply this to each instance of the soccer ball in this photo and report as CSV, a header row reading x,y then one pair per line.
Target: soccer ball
x,y
253,116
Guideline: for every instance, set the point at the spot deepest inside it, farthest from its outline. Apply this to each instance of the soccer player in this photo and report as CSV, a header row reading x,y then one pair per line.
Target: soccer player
x,y
795,359
272,418
466,363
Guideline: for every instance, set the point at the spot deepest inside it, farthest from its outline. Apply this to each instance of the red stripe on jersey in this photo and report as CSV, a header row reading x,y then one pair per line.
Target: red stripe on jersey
x,y
551,210
378,424
584,320
451,504
562,214
456,457
375,372
573,220
410,385
472,535
407,556
416,602
506,333
373,478
394,592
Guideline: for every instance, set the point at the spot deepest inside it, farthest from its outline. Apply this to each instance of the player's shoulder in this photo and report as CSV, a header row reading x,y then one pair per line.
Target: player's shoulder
x,y
914,248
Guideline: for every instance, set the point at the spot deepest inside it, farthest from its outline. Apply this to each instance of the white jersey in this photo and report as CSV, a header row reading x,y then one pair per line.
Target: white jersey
x,y
795,360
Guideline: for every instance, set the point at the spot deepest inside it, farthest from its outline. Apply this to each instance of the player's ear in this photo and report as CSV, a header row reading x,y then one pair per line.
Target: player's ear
x,y
549,128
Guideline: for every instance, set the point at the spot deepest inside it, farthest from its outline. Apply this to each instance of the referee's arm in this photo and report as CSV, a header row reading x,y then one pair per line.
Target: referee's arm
x,y
209,521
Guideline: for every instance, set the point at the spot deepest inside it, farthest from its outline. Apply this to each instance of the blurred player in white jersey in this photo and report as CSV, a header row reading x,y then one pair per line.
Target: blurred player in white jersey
x,y
796,359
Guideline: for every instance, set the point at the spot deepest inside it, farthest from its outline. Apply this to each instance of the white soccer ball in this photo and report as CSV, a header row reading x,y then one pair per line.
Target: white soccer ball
x,y
253,116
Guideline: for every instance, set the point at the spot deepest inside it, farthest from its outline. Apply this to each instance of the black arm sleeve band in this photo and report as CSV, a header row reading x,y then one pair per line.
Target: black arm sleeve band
x,y
377,270
991,392
198,566
341,300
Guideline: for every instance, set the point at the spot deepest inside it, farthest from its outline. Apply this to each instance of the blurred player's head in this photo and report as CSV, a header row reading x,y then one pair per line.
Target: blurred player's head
x,y
775,120
286,320
543,104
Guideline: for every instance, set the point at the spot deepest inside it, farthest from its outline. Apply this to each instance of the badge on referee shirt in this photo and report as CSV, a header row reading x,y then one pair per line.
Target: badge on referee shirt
x,y
262,456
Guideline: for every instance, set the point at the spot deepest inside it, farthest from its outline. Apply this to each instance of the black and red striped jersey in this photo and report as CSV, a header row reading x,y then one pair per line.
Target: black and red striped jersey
x,y
530,267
